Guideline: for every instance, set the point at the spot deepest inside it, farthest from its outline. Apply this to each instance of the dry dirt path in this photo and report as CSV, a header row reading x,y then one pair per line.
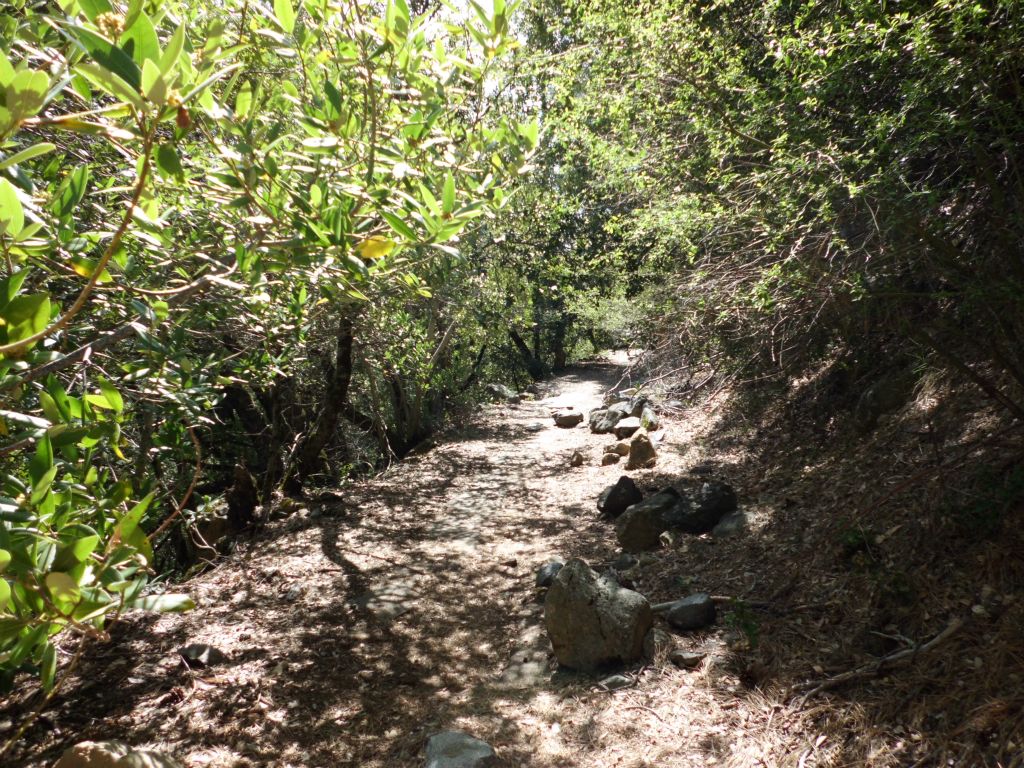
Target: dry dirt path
x,y
406,607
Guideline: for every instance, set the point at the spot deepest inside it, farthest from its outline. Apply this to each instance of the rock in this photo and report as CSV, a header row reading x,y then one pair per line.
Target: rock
x,y
694,612
641,453
733,524
610,458
625,561
640,526
577,459
649,420
616,682
621,448
113,754
200,655
614,499
637,403
626,427
455,749
687,659
713,502
671,539
502,392
676,405
592,621
535,427
567,417
547,572
533,389
603,421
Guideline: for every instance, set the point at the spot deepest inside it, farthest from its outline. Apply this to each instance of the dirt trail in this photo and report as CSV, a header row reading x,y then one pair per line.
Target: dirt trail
x,y
357,629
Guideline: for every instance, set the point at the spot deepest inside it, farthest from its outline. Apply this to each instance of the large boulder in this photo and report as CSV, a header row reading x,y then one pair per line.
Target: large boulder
x,y
615,499
713,501
639,528
641,452
603,420
455,749
637,403
592,621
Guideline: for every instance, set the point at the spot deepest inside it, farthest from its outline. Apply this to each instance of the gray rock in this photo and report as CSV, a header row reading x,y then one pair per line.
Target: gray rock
x,y
547,572
676,405
637,403
713,502
694,612
640,526
567,417
535,427
455,749
592,621
615,499
502,392
609,459
200,655
733,524
603,421
622,408
577,459
616,682
625,561
649,420
687,659
641,453
626,427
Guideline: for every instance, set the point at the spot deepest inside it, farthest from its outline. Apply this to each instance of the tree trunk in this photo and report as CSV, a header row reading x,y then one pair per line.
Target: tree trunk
x,y
307,454
533,366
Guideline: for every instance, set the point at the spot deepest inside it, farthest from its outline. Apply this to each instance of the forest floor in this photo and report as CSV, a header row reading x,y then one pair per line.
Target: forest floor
x,y
405,605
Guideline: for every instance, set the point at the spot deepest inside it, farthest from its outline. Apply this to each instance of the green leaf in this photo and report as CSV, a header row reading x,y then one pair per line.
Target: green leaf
x,y
5,560
110,83
172,603
93,8
26,93
24,316
400,226
285,13
168,162
5,595
173,50
41,488
27,154
140,41
48,668
10,286
111,394
63,589
107,56
42,460
448,194
12,216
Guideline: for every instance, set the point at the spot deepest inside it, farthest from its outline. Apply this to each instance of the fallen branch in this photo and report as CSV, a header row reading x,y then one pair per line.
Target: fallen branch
x,y
662,607
875,668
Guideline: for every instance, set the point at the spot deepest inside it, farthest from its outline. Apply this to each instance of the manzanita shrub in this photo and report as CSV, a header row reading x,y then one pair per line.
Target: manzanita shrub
x,y
168,169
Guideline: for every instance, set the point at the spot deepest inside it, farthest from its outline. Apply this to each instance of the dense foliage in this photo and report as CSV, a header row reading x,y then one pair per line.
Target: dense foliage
x,y
204,208
792,179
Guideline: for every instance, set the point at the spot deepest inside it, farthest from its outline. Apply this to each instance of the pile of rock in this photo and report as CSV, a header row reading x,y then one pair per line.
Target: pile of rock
x,y
640,522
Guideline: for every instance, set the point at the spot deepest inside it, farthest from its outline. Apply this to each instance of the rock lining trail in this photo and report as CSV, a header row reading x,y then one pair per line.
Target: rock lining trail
x,y
406,607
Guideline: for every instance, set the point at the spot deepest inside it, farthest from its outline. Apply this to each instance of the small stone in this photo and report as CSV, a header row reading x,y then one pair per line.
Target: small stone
x,y
610,458
625,561
621,448
577,459
671,539
649,420
731,525
694,612
200,655
627,427
615,682
293,593
646,559
535,427
455,749
687,659
547,572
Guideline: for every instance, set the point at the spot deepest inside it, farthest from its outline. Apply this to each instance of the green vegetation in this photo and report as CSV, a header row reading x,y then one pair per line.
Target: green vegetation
x,y
283,238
